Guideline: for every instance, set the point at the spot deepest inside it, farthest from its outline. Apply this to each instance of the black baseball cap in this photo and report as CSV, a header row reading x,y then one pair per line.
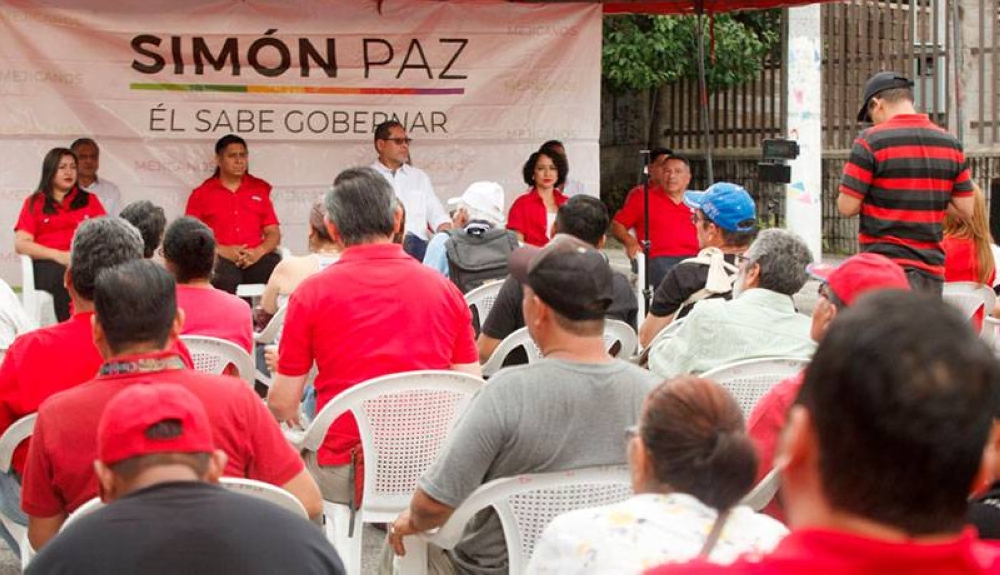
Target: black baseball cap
x,y
569,275
879,83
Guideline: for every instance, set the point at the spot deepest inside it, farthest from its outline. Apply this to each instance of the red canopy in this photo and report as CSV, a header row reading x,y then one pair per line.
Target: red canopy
x,y
691,6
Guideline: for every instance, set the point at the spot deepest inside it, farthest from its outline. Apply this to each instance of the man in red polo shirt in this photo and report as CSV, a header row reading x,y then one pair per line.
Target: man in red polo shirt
x,y
237,206
891,430
375,312
672,235
45,361
135,323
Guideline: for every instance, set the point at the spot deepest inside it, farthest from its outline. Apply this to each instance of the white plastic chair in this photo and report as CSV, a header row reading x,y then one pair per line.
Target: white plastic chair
x,y
254,292
970,297
11,438
212,355
763,492
273,328
617,331
37,304
265,491
517,338
267,336
750,379
525,505
87,508
482,298
991,326
404,419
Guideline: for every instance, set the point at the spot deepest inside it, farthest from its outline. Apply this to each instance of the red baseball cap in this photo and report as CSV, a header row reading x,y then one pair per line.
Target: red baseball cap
x,y
123,430
860,274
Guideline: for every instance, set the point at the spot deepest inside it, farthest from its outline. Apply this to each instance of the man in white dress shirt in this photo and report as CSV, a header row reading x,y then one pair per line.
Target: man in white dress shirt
x,y
424,211
88,161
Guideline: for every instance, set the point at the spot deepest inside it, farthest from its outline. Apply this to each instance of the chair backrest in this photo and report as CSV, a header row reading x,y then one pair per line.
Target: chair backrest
x,y
273,328
526,504
970,297
404,419
213,355
250,487
12,437
481,301
90,506
763,492
265,491
750,379
517,338
617,331
29,296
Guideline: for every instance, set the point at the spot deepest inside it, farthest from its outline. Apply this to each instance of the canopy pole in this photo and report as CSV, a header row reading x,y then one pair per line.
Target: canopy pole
x,y
703,93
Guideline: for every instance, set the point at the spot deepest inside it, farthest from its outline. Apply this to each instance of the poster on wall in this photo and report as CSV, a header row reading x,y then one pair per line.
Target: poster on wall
x,y
479,85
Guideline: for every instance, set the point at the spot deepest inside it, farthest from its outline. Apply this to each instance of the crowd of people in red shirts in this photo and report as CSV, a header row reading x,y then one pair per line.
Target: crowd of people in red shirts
x,y
885,446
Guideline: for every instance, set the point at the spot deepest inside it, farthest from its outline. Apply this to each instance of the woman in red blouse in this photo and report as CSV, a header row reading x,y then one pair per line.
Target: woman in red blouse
x,y
532,215
48,220
967,255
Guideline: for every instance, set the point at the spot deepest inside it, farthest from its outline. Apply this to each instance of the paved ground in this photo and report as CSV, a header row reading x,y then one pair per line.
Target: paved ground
x,y
805,300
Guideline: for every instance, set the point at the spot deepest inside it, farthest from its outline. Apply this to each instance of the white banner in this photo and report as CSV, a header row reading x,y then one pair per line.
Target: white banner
x,y
478,84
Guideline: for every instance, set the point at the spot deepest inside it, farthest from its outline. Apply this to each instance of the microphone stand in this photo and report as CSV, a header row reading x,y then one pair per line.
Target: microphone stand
x,y
647,290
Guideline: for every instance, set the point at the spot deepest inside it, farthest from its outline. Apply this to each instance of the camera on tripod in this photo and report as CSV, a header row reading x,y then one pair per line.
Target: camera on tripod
x,y
776,152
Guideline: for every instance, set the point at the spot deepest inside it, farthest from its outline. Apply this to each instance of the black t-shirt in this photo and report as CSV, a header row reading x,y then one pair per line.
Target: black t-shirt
x,y
192,528
984,513
506,316
680,283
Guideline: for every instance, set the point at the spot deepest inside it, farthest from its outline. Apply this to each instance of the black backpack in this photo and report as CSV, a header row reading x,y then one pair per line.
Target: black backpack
x,y
478,256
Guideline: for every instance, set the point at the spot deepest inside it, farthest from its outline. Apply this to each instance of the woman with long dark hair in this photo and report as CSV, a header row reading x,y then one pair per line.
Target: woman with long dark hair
x,y
237,207
48,220
691,463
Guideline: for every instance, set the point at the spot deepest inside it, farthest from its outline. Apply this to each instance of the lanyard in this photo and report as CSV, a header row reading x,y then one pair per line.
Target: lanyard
x,y
142,365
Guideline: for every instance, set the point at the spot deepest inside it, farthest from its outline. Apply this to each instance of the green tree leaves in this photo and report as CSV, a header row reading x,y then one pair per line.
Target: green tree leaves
x,y
644,52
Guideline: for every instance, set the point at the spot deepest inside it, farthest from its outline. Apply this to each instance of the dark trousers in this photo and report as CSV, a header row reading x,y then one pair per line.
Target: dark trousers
x,y
227,276
415,246
49,277
659,267
924,282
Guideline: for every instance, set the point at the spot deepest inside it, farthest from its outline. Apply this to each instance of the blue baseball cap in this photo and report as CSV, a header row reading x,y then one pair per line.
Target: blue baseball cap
x,y
729,206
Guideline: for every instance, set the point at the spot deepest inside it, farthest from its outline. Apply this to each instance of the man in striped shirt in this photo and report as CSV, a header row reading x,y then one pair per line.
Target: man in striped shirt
x,y
903,175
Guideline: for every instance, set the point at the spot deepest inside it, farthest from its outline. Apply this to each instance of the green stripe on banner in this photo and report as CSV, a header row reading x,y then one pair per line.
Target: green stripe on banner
x,y
188,87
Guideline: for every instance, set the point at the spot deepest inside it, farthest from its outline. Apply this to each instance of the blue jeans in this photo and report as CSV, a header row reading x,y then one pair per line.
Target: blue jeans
x,y
10,505
659,267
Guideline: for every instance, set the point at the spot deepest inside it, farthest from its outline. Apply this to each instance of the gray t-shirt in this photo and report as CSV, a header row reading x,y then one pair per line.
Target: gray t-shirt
x,y
551,415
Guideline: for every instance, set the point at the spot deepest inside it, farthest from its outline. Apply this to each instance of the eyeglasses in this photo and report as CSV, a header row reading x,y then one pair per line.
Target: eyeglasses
x,y
399,141
696,220
741,259
824,290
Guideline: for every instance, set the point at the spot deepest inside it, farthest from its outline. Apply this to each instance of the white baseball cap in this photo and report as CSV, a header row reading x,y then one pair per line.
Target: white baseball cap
x,y
484,197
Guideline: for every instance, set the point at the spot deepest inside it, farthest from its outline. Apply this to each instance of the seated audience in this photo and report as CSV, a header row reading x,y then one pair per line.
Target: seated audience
x,y
564,412
840,287
882,446
45,361
149,219
726,222
290,272
189,254
375,312
475,250
691,464
159,466
584,218
47,222
761,319
136,322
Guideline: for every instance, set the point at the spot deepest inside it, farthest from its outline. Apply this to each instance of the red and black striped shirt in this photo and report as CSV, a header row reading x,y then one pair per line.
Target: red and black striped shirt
x,y
906,170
